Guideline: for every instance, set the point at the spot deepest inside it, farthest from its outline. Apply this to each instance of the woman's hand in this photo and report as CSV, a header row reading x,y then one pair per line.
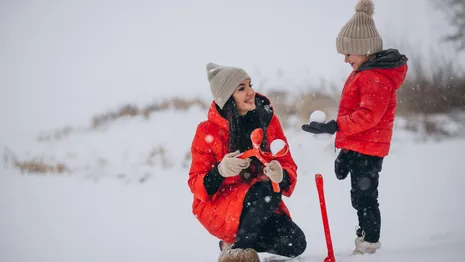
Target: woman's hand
x,y
274,171
232,166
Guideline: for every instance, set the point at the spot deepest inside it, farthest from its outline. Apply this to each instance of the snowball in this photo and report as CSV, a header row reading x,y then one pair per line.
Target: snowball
x,y
318,116
277,145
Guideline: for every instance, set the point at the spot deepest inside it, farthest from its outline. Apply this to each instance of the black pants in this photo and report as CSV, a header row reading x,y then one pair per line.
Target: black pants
x,y
262,229
364,175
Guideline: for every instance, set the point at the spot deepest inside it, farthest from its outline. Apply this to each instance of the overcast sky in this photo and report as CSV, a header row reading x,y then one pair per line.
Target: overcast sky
x,y
63,61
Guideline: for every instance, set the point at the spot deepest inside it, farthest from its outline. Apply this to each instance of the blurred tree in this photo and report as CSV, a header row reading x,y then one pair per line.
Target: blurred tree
x,y
455,12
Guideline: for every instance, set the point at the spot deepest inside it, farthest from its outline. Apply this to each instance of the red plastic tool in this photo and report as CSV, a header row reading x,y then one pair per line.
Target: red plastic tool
x,y
324,215
264,157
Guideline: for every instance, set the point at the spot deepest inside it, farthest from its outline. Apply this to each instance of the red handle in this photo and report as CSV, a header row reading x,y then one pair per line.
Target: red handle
x,y
276,188
324,215
256,137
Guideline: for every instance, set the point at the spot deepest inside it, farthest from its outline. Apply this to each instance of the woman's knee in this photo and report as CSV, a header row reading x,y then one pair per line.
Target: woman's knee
x,y
263,192
299,246
261,188
298,242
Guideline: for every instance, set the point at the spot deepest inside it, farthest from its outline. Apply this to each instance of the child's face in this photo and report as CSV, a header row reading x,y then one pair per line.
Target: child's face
x,y
244,96
355,60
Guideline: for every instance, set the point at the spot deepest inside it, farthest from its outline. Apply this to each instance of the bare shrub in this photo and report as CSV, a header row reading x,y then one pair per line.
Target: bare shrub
x,y
281,103
301,105
57,135
454,11
159,156
315,100
187,159
438,88
435,127
128,111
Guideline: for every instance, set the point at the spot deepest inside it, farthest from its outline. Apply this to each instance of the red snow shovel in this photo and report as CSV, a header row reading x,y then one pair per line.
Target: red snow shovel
x,y
264,157
324,215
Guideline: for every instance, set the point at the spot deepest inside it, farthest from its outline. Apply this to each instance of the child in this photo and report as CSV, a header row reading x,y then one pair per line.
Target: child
x,y
365,118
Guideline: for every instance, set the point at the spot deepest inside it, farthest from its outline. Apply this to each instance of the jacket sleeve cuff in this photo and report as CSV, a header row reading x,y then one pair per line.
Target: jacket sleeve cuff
x,y
286,183
213,181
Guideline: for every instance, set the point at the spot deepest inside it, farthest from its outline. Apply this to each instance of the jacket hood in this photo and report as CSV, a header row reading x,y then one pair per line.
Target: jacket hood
x,y
390,63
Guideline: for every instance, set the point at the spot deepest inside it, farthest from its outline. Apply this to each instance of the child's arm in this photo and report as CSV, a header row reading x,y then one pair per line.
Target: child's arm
x,y
375,94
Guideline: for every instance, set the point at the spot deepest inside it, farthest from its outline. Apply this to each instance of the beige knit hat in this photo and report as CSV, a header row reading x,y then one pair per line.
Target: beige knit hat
x,y
360,36
223,81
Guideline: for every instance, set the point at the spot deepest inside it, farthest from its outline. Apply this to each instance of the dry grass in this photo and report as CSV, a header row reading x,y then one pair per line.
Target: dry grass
x,y
301,106
41,167
437,88
32,166
312,101
132,110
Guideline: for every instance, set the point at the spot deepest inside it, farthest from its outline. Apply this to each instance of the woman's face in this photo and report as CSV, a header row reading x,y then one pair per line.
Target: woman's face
x,y
244,96
355,60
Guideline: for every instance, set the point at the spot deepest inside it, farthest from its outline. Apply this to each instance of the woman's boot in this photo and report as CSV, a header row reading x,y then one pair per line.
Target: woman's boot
x,y
239,255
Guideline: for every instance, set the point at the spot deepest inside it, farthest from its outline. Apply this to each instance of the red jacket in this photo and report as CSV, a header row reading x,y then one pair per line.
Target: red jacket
x,y
220,213
367,110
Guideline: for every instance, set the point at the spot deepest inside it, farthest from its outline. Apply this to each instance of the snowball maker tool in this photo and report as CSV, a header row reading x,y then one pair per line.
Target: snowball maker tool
x,y
324,215
264,157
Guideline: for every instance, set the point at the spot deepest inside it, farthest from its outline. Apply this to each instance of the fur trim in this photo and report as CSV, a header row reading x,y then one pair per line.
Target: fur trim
x,y
239,255
365,6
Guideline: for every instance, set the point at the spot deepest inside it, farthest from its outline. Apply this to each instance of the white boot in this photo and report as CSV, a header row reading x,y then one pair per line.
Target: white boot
x,y
363,247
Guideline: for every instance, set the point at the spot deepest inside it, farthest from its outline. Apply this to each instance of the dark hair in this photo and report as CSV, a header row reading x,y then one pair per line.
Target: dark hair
x,y
240,128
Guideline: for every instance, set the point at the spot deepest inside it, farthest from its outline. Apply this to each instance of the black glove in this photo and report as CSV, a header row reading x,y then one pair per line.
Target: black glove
x,y
321,128
342,165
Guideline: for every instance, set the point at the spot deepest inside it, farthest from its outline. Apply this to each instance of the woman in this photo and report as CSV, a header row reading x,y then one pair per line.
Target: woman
x,y
365,118
233,197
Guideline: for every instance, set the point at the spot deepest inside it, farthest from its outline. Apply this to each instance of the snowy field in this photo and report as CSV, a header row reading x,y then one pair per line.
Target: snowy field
x,y
118,204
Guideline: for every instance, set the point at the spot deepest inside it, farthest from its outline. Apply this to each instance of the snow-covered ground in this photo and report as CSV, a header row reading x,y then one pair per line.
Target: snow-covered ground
x,y
118,204
126,197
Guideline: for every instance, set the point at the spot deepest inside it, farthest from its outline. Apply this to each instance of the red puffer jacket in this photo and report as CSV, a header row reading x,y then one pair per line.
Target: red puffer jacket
x,y
220,213
368,104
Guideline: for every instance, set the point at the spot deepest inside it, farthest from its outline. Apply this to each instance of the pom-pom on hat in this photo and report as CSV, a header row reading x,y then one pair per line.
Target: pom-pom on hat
x,y
359,35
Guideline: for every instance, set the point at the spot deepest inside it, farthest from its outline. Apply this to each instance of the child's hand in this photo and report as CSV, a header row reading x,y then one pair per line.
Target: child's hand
x,y
321,128
341,165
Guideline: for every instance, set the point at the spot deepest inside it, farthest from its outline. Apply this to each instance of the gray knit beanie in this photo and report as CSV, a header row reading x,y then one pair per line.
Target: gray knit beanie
x,y
360,36
223,81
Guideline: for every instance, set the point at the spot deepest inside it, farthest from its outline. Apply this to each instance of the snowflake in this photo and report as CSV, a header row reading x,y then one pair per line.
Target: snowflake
x,y
208,139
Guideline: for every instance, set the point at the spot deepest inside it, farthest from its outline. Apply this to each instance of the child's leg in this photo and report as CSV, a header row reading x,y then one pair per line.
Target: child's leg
x,y
281,236
364,193
259,204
